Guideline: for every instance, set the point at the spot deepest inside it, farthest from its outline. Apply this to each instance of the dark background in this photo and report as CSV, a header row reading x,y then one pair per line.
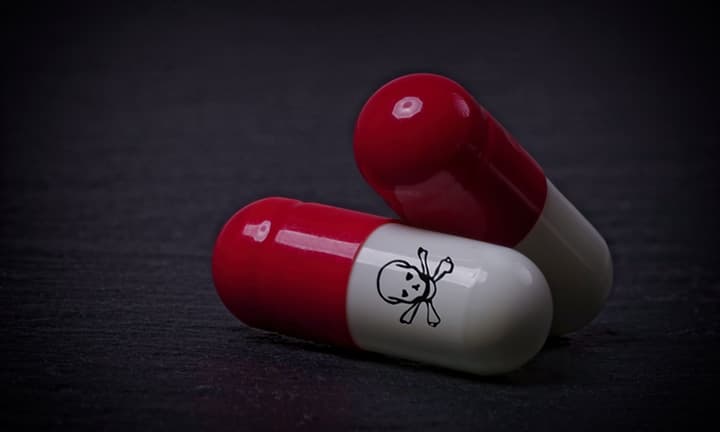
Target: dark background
x,y
130,133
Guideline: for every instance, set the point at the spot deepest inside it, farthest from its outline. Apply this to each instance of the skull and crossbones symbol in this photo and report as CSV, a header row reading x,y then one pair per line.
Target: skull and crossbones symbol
x,y
400,282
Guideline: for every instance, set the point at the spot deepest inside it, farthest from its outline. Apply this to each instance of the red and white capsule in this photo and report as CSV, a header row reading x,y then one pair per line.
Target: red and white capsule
x,y
357,280
443,163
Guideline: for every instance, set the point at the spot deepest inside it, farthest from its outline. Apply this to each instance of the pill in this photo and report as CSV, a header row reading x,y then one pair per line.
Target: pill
x,y
361,281
443,163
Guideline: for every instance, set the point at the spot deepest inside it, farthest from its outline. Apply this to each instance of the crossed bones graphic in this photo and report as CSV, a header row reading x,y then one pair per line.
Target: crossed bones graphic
x,y
400,282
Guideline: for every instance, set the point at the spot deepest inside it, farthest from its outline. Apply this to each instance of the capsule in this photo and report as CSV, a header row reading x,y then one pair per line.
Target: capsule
x,y
362,281
443,163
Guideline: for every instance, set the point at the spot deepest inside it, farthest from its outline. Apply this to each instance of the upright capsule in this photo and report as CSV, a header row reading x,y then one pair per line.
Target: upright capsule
x,y
443,163
357,280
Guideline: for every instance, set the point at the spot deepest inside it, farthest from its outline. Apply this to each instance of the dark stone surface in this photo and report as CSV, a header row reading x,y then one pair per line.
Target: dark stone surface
x,y
130,134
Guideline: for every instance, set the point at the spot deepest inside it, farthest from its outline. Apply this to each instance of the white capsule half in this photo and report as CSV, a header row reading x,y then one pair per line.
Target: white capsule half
x,y
575,260
447,300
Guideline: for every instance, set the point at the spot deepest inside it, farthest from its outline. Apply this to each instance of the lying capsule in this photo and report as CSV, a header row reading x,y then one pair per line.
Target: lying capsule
x,y
357,280
443,163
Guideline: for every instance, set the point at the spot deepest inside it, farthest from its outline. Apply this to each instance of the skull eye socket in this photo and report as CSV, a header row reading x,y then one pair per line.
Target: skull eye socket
x,y
408,276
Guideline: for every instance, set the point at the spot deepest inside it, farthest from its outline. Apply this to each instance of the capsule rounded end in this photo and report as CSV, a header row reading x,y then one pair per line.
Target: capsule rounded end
x,y
236,251
575,260
508,316
591,291
412,127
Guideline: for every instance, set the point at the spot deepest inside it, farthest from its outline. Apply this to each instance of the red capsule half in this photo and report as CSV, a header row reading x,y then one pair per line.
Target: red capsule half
x,y
442,162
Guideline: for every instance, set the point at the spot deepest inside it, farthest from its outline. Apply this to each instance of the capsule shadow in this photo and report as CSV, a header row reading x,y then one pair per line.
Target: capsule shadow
x,y
528,375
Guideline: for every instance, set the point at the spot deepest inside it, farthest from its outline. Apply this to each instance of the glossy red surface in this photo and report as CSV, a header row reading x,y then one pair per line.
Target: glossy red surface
x,y
283,265
443,163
